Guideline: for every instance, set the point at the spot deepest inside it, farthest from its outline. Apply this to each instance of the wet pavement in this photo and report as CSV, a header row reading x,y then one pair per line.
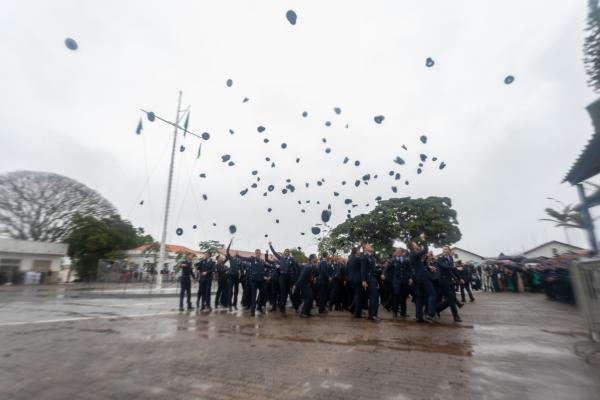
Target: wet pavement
x,y
57,343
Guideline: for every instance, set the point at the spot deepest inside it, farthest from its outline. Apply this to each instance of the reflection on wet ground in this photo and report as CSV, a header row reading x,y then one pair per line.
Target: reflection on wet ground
x,y
510,346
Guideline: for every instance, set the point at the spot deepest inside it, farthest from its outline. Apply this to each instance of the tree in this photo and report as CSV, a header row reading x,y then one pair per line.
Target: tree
x,y
591,45
299,256
400,219
567,218
211,245
92,239
41,205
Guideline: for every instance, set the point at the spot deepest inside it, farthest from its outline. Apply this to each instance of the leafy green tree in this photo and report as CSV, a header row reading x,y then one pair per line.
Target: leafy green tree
x,y
567,218
211,245
92,239
299,256
395,219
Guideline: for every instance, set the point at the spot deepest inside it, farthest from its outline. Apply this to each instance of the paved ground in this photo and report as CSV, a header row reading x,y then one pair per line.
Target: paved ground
x,y
57,346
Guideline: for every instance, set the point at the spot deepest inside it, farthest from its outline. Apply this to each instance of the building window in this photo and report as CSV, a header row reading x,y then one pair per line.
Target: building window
x,y
9,270
41,265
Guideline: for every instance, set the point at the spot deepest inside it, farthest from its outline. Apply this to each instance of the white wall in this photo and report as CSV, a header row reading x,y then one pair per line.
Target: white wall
x,y
465,257
546,251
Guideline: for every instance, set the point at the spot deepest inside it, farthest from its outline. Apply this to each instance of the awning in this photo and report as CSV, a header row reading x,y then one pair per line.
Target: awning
x,y
588,163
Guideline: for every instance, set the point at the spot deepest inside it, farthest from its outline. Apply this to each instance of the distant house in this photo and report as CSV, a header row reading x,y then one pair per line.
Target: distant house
x,y
551,249
27,261
147,254
466,256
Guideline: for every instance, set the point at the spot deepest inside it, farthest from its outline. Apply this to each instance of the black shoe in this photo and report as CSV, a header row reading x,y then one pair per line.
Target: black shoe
x,y
472,300
405,315
261,310
420,320
180,308
230,309
304,316
201,309
252,313
375,319
428,319
190,308
457,319
235,307
460,305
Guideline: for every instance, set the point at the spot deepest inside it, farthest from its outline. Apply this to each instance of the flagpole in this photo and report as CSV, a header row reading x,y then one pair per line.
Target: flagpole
x,y
161,256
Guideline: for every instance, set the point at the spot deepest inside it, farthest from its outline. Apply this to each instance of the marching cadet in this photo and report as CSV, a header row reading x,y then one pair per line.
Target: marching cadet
x,y
305,283
287,270
338,284
424,290
233,279
323,281
204,269
369,281
448,274
355,280
257,271
187,274
401,273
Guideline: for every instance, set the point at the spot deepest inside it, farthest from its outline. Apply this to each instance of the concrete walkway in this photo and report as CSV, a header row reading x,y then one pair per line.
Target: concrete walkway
x,y
517,346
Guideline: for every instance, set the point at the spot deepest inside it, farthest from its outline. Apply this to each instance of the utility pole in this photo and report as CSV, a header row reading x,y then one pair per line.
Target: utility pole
x,y
161,253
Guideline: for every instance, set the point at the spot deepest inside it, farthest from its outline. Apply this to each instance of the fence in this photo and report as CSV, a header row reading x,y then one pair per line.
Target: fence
x,y
587,289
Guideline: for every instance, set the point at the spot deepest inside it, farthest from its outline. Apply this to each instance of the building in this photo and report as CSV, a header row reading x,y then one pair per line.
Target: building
x,y
26,261
466,256
551,249
147,255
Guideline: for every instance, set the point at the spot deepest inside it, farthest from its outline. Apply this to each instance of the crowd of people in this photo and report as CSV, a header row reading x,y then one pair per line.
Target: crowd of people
x,y
363,281
551,276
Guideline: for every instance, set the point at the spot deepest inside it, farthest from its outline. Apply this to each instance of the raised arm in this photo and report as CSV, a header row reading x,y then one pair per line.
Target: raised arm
x,y
276,254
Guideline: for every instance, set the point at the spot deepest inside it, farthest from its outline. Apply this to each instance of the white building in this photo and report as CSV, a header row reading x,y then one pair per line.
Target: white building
x,y
26,261
551,249
466,256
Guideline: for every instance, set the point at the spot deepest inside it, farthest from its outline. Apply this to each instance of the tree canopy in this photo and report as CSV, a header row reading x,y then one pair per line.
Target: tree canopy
x,y
92,239
398,219
211,245
41,205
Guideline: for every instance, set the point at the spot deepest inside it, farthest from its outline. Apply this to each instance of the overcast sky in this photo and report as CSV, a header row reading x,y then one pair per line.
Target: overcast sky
x,y
507,147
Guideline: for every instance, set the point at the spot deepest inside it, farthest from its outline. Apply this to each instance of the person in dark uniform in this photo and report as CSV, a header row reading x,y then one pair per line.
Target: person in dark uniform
x,y
323,281
338,284
369,280
423,288
448,275
257,270
204,269
220,270
355,279
233,279
466,275
244,282
287,270
271,286
305,282
187,274
402,273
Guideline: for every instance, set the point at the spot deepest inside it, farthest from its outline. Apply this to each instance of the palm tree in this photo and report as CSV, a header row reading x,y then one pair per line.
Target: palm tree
x,y
568,218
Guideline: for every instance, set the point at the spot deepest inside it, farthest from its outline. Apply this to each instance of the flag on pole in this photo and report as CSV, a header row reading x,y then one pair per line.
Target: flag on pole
x,y
139,127
186,123
199,151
